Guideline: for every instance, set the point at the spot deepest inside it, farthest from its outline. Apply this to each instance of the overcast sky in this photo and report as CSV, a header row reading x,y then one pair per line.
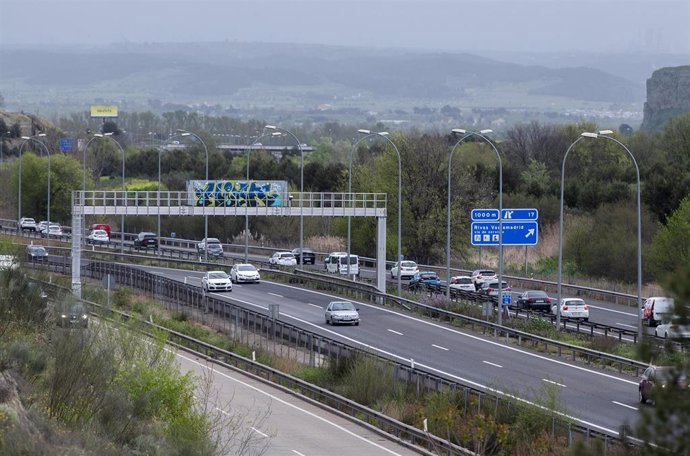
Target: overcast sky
x,y
656,26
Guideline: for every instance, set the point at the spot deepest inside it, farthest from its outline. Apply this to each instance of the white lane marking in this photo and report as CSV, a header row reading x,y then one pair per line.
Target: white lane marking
x,y
492,364
297,453
276,295
554,383
629,326
288,404
259,432
396,332
614,311
439,347
625,405
314,305
451,330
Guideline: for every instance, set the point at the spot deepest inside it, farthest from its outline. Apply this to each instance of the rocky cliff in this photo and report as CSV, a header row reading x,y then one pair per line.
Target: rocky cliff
x,y
668,95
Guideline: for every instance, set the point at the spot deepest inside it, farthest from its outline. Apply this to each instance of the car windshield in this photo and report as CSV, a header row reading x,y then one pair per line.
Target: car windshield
x,y
286,255
463,280
486,273
408,264
217,275
215,247
210,241
429,275
37,249
342,306
537,294
246,267
495,285
574,302
77,309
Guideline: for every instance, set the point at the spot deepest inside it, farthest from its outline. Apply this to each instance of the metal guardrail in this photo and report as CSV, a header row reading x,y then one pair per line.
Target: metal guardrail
x,y
238,317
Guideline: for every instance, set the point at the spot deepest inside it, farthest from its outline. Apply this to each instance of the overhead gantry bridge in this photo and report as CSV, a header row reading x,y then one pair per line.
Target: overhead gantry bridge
x,y
180,204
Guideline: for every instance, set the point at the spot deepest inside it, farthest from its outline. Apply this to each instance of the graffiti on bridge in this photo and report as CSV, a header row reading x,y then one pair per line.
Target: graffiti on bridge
x,y
237,193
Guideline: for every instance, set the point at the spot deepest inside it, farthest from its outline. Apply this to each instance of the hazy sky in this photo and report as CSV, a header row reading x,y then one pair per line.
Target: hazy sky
x,y
656,26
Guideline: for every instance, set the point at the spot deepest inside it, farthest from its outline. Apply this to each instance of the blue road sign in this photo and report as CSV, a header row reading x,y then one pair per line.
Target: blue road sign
x,y
507,298
66,144
484,215
520,214
514,233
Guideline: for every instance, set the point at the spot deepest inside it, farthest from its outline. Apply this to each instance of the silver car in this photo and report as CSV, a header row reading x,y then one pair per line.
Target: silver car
x,y
216,281
342,312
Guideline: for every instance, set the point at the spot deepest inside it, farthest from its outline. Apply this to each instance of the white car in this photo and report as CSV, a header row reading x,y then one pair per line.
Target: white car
x,y
54,229
480,276
244,273
27,223
406,269
42,225
283,259
216,281
463,283
98,237
672,330
572,308
342,312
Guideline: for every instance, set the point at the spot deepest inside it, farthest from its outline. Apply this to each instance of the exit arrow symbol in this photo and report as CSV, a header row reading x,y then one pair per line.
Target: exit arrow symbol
x,y
530,232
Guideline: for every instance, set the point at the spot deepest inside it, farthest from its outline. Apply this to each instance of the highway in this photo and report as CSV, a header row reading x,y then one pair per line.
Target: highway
x,y
282,422
593,396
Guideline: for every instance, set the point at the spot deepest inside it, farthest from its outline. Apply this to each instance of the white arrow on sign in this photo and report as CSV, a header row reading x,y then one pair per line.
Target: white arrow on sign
x,y
530,232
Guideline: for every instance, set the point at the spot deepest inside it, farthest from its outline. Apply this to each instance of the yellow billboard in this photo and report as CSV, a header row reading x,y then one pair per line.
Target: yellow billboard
x,y
103,111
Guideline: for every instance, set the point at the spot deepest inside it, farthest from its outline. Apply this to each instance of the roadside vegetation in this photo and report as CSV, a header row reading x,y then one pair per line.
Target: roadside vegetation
x,y
99,391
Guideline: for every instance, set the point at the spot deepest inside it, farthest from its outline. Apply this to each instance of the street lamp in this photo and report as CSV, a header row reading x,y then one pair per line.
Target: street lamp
x,y
349,191
194,135
384,135
109,135
603,134
301,189
482,134
28,139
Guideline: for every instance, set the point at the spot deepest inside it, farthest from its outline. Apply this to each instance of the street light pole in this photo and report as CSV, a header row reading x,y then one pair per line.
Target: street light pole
x,y
482,134
384,135
187,133
301,190
109,135
465,135
603,134
47,151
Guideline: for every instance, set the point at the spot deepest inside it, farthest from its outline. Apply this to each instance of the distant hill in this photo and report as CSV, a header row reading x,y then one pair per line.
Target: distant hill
x,y
175,72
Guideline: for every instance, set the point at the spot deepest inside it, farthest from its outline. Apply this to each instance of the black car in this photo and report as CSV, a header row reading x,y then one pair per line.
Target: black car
x,y
534,300
145,240
308,254
36,253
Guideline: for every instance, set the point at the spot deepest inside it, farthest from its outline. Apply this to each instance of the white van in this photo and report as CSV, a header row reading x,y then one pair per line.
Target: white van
x,y
657,309
336,262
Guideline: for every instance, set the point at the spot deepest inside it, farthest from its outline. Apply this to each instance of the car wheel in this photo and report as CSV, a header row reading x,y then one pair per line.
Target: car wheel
x,y
357,324
585,319
643,400
327,322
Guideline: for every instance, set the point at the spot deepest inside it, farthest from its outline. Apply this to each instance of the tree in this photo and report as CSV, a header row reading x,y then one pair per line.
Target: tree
x,y
670,247
110,126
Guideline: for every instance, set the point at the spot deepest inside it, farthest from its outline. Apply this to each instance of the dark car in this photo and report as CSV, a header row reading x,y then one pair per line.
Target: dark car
x,y
424,278
534,300
145,240
308,254
36,253
655,377
76,316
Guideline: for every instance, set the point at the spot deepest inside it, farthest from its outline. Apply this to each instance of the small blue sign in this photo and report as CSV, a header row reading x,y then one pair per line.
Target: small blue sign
x,y
484,215
66,144
520,214
514,233
507,298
